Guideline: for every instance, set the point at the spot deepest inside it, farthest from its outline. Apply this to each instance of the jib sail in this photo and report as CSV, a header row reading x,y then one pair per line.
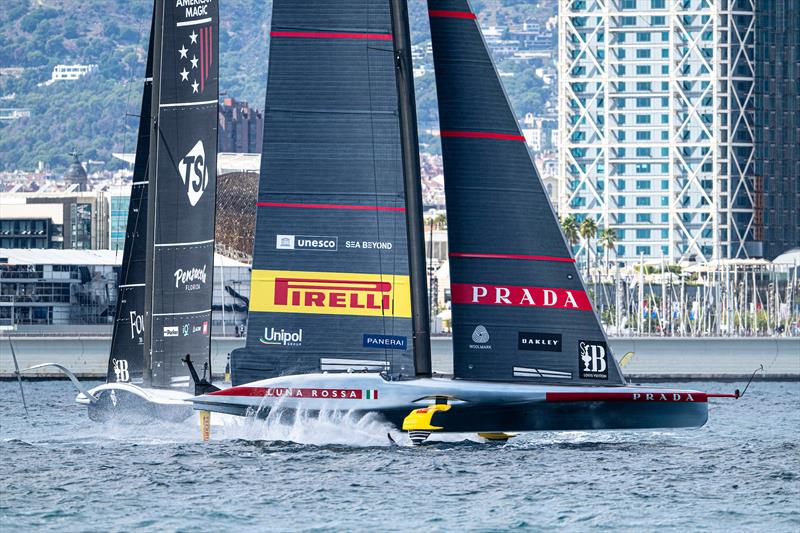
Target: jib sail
x,y
182,190
520,311
330,284
127,341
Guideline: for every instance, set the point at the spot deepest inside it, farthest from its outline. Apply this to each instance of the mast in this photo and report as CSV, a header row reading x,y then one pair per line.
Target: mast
x,y
413,191
126,355
152,172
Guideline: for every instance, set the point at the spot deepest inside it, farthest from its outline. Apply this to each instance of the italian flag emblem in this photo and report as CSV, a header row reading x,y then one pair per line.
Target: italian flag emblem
x,y
371,394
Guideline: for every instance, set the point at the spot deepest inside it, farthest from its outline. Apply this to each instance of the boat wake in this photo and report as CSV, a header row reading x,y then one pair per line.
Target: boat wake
x,y
318,428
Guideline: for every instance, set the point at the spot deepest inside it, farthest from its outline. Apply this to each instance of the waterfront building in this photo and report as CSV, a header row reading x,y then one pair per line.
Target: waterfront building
x,y
73,291
241,128
777,124
656,117
68,220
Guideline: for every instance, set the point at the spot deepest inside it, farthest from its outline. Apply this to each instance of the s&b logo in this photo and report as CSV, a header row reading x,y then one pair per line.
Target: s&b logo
x,y
593,359
121,370
194,173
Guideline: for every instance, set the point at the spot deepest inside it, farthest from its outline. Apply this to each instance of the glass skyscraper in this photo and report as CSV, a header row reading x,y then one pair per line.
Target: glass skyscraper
x,y
777,125
656,113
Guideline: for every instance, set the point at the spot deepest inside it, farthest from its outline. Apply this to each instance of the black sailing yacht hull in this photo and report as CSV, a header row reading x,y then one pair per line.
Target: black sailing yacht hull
x,y
128,403
472,406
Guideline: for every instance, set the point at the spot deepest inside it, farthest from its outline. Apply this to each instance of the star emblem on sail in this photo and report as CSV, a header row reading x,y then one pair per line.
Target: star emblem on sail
x,y
198,58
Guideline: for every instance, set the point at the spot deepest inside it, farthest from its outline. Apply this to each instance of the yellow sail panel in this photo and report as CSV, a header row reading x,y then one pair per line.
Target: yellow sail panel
x,y
330,293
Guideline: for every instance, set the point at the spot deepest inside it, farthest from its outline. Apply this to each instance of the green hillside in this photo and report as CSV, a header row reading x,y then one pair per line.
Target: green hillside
x,y
97,114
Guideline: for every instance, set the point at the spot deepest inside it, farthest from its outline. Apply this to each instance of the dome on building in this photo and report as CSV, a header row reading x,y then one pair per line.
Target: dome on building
x,y
76,174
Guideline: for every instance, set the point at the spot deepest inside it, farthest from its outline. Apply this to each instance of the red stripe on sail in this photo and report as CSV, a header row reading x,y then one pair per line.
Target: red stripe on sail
x,y
643,396
202,60
519,296
451,14
513,256
210,46
332,206
482,135
331,35
205,57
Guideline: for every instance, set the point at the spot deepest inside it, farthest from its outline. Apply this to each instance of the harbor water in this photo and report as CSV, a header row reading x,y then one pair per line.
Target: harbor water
x,y
62,472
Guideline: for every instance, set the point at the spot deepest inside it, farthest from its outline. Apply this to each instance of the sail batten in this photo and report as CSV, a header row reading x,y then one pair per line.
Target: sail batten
x,y
520,311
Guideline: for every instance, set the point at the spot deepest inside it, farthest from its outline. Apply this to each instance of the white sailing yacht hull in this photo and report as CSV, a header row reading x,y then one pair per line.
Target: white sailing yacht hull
x,y
131,403
474,406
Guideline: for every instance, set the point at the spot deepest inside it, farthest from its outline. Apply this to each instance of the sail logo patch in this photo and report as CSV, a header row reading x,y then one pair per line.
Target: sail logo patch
x,y
480,336
369,245
191,279
307,393
194,173
331,293
539,342
170,331
389,342
137,325
517,296
274,337
121,370
592,360
197,60
304,242
199,328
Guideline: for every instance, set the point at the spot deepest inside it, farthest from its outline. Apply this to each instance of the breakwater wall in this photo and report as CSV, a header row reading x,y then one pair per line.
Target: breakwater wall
x,y
655,358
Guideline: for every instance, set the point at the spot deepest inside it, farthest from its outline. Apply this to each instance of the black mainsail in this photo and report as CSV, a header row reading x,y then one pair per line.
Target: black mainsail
x,y
331,284
337,148
127,341
520,310
181,208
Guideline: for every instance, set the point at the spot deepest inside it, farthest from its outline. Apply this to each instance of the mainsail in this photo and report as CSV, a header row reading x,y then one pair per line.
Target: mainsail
x,y
183,163
127,341
330,284
520,311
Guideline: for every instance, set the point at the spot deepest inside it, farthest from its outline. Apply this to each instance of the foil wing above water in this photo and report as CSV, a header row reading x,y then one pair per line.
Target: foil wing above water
x,y
183,191
330,284
126,359
520,310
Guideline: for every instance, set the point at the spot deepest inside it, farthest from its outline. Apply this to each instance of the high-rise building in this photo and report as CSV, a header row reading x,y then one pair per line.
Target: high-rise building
x,y
656,113
241,128
777,125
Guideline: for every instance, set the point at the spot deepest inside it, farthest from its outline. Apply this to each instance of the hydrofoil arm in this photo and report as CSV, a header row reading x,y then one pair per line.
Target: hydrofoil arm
x,y
72,377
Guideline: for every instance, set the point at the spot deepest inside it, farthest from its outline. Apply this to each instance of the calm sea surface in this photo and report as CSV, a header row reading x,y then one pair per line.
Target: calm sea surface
x,y
59,471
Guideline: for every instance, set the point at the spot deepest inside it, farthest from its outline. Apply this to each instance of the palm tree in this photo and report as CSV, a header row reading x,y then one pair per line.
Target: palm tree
x,y
607,238
588,231
570,228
